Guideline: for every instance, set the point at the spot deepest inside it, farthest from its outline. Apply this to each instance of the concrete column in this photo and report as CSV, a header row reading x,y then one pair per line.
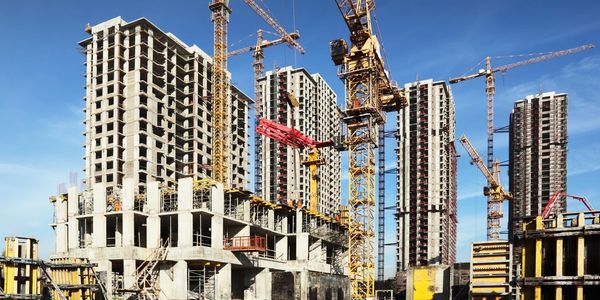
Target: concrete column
x,y
129,268
218,199
216,232
73,233
105,265
128,228
128,194
72,210
98,218
246,206
184,216
284,223
271,219
299,216
153,221
73,202
184,194
263,284
179,288
302,246
184,229
304,285
223,282
61,238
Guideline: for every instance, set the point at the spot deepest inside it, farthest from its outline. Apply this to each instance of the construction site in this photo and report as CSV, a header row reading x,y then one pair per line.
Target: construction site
x,y
194,189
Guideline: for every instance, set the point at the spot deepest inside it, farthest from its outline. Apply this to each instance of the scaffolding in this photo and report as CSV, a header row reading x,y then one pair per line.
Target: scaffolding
x,y
201,281
168,200
202,194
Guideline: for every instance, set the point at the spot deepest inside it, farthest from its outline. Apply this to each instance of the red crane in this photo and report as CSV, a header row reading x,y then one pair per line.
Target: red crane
x,y
552,200
295,139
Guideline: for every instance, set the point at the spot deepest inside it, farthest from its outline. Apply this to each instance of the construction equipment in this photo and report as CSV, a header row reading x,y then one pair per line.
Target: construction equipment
x,y
275,25
369,93
290,39
220,18
488,72
494,191
258,64
546,213
220,130
295,139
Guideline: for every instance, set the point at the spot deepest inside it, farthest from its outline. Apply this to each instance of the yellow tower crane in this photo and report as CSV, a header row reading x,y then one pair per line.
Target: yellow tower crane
x,y
220,129
493,227
220,18
495,192
259,66
369,94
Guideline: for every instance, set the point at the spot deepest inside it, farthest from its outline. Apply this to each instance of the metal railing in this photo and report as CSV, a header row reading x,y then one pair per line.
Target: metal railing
x,y
201,240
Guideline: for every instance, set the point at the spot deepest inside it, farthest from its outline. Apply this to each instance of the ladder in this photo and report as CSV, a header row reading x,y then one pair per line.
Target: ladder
x,y
146,283
55,286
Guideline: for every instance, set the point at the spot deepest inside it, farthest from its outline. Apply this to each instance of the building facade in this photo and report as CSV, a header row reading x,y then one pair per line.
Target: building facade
x,y
426,228
282,175
538,156
148,108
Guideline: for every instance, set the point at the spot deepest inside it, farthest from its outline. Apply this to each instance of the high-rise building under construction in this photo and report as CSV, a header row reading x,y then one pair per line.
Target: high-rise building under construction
x,y
426,228
538,156
281,174
148,108
153,227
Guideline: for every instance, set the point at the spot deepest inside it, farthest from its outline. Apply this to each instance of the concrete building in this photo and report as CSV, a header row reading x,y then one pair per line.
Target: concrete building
x,y
148,126
426,228
282,176
208,235
148,108
538,156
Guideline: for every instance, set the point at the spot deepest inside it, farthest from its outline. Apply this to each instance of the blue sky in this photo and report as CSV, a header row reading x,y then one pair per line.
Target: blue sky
x,y
41,82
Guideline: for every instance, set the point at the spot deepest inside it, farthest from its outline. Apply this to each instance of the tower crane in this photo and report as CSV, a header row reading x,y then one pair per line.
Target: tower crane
x,y
369,94
494,191
220,17
493,229
259,66
220,130
555,196
295,139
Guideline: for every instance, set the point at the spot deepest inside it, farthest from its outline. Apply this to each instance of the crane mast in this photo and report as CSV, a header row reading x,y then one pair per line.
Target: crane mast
x,y
368,92
493,228
258,64
220,129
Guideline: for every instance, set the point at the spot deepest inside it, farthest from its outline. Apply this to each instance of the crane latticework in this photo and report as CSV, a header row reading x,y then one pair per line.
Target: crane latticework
x,y
495,193
369,93
220,129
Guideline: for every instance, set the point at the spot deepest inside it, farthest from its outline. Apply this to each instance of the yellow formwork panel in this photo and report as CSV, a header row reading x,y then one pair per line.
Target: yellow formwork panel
x,y
20,267
75,276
